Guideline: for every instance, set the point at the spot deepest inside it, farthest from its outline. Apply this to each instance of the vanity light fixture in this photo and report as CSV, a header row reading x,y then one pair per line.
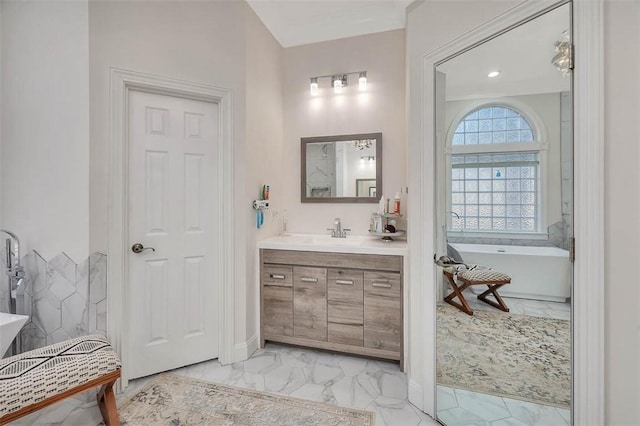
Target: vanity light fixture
x,y
494,73
314,86
362,81
338,82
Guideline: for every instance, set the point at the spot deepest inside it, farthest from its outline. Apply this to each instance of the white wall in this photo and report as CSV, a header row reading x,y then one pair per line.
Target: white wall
x,y
546,107
380,109
264,148
218,43
430,25
45,125
622,210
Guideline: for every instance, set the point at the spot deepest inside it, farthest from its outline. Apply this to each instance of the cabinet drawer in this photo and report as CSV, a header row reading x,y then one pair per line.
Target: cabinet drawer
x,y
277,305
344,297
310,303
347,334
277,275
382,311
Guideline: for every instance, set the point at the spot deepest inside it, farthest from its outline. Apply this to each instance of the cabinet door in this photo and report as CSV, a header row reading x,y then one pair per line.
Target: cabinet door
x,y
310,303
277,300
345,306
382,311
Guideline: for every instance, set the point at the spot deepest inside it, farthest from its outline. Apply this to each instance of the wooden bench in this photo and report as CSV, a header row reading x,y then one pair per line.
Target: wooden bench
x,y
36,379
492,279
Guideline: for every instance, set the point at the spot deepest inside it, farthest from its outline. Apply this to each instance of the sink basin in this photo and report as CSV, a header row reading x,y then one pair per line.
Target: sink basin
x,y
365,244
325,240
10,325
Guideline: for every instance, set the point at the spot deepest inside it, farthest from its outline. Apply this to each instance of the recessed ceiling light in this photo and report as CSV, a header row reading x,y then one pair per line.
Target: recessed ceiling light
x,y
494,73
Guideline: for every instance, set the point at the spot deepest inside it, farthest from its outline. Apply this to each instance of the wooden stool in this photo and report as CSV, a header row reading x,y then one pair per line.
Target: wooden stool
x,y
36,379
492,279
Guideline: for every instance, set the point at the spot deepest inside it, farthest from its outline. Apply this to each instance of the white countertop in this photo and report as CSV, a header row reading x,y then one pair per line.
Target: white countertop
x,y
320,242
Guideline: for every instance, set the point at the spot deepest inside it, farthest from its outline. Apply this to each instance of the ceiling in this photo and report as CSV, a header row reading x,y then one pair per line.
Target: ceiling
x,y
297,22
522,54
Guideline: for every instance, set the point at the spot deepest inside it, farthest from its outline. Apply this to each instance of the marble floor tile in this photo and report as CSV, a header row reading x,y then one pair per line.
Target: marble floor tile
x,y
508,422
566,415
494,410
460,417
349,393
396,412
393,385
446,398
310,391
534,414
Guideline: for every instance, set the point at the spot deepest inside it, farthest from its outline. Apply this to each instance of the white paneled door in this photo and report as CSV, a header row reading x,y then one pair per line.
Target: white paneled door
x,y
173,173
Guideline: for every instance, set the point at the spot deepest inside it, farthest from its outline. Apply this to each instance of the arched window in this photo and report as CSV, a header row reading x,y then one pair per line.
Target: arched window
x,y
495,172
493,124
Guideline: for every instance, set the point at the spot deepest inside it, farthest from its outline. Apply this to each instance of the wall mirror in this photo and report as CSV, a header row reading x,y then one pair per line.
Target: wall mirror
x,y
505,179
341,168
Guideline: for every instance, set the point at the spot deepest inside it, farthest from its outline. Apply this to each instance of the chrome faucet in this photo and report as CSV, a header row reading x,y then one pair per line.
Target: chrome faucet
x,y
14,269
338,231
15,272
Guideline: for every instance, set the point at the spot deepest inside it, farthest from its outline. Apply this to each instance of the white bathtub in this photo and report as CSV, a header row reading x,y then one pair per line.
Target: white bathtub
x,y
536,272
10,325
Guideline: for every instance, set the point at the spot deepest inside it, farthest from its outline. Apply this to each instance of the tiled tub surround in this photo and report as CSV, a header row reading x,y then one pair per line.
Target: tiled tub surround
x,y
62,298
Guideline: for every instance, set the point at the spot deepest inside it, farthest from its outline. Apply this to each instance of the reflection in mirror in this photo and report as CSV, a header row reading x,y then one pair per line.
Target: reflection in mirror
x,y
341,168
503,122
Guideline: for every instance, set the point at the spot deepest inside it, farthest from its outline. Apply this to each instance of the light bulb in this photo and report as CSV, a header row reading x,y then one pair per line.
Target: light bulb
x,y
314,86
337,85
362,81
494,73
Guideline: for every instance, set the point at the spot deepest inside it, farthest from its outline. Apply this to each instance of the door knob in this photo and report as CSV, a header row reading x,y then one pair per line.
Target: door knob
x,y
139,248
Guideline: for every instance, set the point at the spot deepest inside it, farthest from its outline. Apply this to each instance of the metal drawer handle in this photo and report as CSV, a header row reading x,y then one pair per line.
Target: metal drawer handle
x,y
309,280
383,285
277,276
344,282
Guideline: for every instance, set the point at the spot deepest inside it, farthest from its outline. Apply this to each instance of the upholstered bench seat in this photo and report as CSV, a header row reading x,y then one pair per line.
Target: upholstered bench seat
x,y
482,276
34,379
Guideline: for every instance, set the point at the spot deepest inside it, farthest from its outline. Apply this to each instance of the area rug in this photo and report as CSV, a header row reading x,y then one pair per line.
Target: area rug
x,y
515,356
170,399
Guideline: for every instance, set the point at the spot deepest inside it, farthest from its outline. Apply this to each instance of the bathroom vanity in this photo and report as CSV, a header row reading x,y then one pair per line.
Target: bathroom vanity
x,y
339,294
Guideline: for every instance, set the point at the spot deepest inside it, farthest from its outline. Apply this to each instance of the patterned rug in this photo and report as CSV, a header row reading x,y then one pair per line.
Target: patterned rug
x,y
170,399
515,356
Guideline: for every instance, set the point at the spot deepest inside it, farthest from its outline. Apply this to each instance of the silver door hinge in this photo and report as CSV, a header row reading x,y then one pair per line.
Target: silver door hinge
x,y
572,249
572,59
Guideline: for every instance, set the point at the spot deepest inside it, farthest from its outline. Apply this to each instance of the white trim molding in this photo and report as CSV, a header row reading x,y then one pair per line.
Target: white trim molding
x,y
588,289
424,220
244,350
121,83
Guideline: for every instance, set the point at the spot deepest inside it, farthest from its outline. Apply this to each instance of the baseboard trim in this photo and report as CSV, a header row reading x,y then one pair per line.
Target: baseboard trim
x,y
415,394
242,351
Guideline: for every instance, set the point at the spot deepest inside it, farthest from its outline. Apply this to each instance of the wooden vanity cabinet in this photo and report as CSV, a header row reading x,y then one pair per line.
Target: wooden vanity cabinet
x,y
345,306
277,300
310,303
382,311
335,301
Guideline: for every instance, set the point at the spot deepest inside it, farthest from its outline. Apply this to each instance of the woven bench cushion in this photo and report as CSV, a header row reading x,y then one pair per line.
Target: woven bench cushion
x,y
33,376
484,275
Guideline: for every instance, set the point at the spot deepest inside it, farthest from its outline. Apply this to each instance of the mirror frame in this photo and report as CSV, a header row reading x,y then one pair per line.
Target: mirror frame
x,y
338,138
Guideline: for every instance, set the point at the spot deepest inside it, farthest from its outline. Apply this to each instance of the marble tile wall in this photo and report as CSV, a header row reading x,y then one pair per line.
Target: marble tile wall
x,y
63,299
321,169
